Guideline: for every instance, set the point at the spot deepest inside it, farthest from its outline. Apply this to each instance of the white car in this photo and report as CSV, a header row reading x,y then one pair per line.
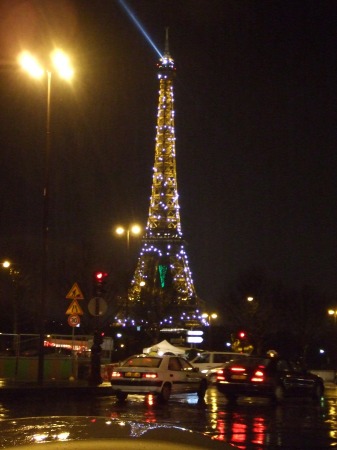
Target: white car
x,y
159,375
209,362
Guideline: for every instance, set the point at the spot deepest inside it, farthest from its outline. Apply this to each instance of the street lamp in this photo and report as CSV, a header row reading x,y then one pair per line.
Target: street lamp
x,y
14,273
133,229
333,312
209,318
61,66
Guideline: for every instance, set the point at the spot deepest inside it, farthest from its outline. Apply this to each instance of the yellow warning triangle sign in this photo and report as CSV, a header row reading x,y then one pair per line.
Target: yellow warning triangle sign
x,y
74,309
75,293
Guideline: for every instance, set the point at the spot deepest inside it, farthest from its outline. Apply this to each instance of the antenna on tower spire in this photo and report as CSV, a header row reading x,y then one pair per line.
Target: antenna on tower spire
x,y
167,41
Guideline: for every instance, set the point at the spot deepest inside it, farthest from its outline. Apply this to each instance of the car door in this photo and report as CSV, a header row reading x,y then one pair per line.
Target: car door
x,y
193,377
177,375
302,382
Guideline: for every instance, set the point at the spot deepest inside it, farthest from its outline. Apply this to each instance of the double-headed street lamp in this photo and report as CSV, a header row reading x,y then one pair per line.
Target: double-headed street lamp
x,y
208,318
61,66
133,230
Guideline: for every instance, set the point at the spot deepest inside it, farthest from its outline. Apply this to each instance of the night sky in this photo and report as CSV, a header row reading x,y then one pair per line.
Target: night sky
x,y
256,135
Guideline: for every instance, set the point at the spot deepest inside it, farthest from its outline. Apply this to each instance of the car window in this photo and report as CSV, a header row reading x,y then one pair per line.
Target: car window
x,y
143,362
296,367
250,361
201,359
174,364
221,358
185,364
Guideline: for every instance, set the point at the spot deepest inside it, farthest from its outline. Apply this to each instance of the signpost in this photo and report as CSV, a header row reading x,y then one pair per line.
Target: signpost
x,y
74,312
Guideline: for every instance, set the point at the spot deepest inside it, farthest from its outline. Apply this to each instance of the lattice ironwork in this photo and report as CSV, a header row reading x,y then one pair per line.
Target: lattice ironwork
x,y
162,289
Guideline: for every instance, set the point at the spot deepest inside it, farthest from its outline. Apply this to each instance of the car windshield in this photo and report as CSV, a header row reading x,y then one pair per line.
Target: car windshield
x,y
142,361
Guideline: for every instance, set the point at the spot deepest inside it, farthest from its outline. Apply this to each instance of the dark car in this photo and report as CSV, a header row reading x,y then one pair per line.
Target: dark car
x,y
270,377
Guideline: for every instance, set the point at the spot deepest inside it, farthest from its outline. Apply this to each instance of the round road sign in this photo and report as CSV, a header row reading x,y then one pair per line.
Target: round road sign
x,y
97,306
74,320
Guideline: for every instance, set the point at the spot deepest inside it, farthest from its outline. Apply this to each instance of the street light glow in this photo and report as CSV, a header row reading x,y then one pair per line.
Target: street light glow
x,y
30,64
62,64
120,231
60,61
133,229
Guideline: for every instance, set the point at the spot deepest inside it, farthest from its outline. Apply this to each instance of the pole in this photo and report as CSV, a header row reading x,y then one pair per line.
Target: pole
x,y
45,229
128,241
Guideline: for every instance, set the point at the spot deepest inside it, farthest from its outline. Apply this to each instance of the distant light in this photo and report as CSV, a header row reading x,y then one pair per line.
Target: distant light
x,y
194,339
195,333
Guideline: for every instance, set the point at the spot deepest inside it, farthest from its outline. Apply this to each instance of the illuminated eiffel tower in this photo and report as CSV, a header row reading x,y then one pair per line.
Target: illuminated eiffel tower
x,y
162,292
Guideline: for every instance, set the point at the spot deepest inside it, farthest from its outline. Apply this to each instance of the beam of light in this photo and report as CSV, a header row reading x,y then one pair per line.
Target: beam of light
x,y
139,26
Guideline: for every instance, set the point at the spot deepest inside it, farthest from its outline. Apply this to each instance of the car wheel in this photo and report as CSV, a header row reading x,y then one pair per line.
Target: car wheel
x,y
165,394
278,395
202,389
121,396
318,391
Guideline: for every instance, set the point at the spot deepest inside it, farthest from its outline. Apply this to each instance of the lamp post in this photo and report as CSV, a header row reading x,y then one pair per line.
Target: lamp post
x,y
14,273
209,317
30,64
133,229
333,312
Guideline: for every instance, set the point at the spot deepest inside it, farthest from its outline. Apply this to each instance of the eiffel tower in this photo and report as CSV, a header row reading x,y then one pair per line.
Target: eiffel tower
x,y
162,292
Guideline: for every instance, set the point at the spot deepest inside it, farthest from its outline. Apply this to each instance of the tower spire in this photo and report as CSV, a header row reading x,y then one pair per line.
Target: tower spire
x,y
167,41
162,290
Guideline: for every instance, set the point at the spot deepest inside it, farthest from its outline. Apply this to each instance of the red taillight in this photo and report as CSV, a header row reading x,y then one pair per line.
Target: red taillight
x,y
220,375
237,369
116,375
150,375
258,376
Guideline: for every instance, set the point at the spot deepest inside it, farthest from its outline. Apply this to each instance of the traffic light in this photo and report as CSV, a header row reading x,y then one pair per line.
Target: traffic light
x,y
242,334
99,282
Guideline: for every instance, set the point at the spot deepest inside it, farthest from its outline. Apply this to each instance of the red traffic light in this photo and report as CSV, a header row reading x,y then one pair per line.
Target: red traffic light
x,y
99,276
242,334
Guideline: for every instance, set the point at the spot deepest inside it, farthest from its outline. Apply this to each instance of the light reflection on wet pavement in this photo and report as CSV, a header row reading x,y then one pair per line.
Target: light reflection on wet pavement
x,y
253,424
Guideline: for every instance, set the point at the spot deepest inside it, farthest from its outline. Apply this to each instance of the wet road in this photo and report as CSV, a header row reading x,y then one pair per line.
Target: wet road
x,y
251,424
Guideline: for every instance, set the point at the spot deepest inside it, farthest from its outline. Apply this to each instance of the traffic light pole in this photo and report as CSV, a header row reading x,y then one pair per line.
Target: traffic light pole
x,y
96,349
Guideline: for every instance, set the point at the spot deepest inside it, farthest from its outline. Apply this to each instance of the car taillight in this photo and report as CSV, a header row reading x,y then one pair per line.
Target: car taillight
x,y
237,369
258,376
220,375
116,375
150,375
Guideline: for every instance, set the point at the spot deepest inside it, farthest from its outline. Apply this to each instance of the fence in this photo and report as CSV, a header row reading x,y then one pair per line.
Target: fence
x,y
64,356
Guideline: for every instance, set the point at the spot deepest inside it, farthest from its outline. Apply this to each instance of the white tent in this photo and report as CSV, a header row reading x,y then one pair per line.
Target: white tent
x,y
164,347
